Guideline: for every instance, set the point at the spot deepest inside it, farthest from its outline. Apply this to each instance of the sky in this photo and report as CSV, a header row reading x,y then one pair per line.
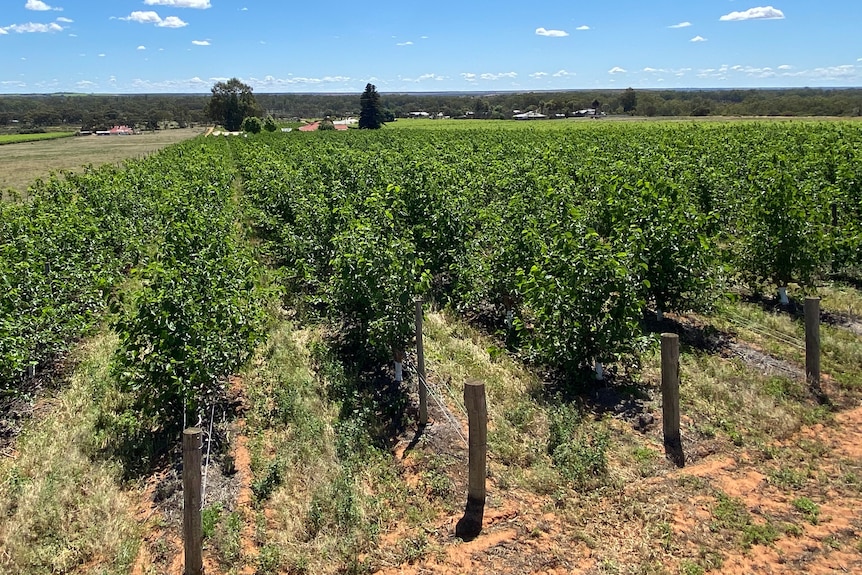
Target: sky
x,y
186,46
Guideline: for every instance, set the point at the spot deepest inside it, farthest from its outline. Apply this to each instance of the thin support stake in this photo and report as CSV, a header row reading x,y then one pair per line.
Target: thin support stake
x,y
420,360
209,449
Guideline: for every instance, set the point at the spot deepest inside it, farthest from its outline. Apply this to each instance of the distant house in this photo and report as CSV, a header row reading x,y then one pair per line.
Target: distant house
x,y
121,131
419,114
529,116
314,126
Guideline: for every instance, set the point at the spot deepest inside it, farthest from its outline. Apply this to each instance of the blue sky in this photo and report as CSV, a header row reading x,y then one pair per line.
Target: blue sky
x,y
133,46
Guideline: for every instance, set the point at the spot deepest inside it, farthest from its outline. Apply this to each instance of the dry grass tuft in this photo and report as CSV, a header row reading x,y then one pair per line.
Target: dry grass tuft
x,y
62,511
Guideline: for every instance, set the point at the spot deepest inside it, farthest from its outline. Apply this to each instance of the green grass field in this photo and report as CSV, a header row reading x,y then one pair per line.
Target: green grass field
x,y
21,138
577,123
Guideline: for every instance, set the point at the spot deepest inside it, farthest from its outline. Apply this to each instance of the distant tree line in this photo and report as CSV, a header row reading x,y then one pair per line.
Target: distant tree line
x,y
96,112
155,111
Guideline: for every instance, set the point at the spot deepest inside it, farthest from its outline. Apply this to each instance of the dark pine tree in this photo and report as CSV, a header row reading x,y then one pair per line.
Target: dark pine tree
x,y
370,115
231,103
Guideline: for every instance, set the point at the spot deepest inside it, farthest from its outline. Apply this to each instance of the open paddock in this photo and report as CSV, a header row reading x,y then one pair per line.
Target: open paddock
x,y
21,164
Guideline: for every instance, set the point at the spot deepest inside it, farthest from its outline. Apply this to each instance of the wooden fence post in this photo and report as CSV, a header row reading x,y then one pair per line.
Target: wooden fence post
x,y
192,529
812,343
477,419
420,360
670,397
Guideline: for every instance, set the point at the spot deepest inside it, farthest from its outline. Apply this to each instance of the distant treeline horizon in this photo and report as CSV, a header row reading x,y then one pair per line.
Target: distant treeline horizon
x,y
153,111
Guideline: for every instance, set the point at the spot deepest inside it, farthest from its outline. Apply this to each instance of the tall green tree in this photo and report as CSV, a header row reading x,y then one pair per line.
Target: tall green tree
x,y
370,114
231,103
629,100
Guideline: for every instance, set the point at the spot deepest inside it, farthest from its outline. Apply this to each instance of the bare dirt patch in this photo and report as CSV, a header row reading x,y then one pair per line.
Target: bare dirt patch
x,y
228,485
827,543
667,521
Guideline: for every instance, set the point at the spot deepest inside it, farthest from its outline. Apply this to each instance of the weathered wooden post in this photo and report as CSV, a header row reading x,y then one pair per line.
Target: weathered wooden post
x,y
812,343
477,420
420,360
192,529
670,397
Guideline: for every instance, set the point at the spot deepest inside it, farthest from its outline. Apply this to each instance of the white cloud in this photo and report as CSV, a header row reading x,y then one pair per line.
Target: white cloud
x,y
750,71
199,4
681,25
3,31
785,67
171,22
37,5
616,70
538,75
101,55
844,72
143,17
468,76
675,71
407,43
201,42
759,13
698,39
563,74
273,82
142,47
65,20
32,27
243,9
423,77
150,17
582,28
551,33
488,76
191,84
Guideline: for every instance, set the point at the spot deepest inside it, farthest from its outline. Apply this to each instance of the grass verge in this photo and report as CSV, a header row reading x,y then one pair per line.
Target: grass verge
x,y
324,490
61,511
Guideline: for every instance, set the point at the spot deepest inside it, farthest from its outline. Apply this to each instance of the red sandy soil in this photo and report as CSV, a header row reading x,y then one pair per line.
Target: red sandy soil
x,y
614,531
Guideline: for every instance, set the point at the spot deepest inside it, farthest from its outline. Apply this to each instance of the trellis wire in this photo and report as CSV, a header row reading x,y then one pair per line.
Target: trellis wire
x,y
209,449
767,332
437,395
